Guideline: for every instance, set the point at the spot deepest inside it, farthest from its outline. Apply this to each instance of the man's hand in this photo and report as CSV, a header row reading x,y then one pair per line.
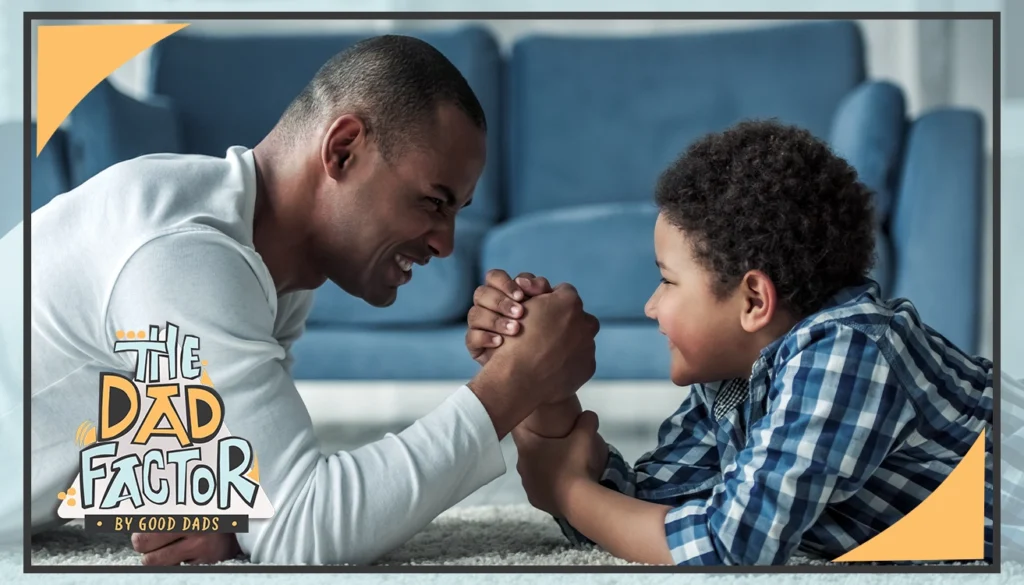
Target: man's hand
x,y
495,314
159,549
549,468
497,308
548,361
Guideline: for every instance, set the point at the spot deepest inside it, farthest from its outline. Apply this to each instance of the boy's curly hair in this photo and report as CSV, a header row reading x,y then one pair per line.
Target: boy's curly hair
x,y
772,197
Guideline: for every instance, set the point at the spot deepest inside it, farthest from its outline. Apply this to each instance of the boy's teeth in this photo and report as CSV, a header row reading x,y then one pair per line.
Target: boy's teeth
x,y
404,263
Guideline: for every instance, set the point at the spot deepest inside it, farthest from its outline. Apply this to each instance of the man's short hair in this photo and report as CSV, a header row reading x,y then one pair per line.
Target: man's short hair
x,y
772,197
395,83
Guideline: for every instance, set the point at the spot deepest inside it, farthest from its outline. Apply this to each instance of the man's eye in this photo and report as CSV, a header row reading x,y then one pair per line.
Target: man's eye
x,y
437,202
663,281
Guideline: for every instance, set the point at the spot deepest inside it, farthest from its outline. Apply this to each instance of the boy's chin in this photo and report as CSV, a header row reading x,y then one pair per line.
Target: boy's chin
x,y
681,376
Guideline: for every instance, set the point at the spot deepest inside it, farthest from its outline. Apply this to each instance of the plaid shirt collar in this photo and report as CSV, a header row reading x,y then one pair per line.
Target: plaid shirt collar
x,y
728,394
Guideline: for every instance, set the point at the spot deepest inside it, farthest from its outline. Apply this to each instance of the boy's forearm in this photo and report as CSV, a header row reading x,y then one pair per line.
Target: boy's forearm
x,y
630,529
555,420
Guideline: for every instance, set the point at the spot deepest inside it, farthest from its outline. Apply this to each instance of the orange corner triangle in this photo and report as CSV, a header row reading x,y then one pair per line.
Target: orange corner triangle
x,y
948,526
73,59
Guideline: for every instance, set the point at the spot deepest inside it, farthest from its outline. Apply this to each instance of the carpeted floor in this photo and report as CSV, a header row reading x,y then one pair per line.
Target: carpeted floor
x,y
514,535
474,536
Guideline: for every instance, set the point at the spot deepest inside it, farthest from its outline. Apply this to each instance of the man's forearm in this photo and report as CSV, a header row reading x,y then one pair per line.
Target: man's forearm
x,y
630,529
352,507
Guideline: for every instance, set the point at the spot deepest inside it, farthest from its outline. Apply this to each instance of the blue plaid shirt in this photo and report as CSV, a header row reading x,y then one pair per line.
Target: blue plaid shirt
x,y
845,425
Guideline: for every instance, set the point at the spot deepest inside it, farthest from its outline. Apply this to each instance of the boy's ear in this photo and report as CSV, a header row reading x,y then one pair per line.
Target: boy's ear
x,y
759,301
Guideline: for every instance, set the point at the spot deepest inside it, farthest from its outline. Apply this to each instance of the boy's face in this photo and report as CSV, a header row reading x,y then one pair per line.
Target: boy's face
x,y
705,336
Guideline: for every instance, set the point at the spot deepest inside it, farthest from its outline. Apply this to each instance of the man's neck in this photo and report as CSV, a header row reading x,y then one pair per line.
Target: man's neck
x,y
277,223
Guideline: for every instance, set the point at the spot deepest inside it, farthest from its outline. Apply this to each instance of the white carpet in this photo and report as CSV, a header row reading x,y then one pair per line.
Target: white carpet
x,y
473,536
487,535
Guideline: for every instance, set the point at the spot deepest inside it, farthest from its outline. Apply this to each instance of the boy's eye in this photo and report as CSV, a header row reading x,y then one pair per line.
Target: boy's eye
x,y
663,281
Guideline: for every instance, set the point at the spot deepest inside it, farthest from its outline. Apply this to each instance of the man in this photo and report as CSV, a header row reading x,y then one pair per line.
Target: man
x,y
360,180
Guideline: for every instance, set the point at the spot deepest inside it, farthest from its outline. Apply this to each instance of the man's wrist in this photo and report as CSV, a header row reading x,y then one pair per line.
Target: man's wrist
x,y
492,387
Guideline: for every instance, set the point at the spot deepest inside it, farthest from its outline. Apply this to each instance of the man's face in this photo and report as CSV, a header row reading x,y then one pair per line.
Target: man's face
x,y
381,217
704,332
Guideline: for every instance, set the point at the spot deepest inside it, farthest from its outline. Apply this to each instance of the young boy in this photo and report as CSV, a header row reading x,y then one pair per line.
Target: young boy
x,y
818,413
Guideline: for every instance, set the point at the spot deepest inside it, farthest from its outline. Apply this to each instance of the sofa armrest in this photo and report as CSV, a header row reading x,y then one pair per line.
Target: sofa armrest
x,y
108,127
936,225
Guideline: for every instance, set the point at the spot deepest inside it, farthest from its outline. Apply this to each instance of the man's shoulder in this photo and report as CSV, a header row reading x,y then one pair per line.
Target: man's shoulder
x,y
195,253
153,186
147,203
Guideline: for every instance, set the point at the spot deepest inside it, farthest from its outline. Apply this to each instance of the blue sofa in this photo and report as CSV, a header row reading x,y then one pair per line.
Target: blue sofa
x,y
580,129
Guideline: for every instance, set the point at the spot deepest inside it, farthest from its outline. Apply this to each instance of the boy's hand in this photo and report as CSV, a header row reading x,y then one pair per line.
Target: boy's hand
x,y
497,308
550,467
554,420
159,549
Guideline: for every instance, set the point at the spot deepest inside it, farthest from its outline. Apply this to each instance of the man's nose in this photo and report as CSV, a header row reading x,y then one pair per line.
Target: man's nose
x,y
441,240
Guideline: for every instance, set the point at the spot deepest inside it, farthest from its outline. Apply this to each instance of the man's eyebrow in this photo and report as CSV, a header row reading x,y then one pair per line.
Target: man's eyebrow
x,y
449,195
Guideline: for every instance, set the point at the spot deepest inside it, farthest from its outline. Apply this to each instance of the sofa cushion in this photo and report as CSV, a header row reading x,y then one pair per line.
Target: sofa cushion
x,y
606,251
632,351
868,132
352,353
596,120
936,225
210,76
108,127
440,292
625,351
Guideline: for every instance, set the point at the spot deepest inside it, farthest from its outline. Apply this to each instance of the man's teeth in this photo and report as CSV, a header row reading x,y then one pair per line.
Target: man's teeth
x,y
404,263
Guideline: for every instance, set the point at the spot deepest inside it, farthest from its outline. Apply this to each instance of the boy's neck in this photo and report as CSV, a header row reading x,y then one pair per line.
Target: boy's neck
x,y
764,337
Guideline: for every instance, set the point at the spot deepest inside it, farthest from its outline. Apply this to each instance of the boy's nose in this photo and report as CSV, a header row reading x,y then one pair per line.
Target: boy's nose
x,y
649,308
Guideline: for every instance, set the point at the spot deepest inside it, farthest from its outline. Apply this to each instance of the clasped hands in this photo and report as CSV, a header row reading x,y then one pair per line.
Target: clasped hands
x,y
558,445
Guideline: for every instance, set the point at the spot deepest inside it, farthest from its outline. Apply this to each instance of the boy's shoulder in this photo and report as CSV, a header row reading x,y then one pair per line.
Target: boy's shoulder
x,y
858,322
856,312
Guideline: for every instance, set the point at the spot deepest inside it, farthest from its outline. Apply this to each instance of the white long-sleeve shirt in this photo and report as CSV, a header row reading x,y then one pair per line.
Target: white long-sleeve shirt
x,y
169,239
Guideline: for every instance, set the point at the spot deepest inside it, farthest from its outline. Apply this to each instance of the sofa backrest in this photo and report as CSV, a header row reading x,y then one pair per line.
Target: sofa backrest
x,y
229,90
596,120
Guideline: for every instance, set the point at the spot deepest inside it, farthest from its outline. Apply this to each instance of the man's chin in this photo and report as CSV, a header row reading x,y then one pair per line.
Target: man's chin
x,y
382,297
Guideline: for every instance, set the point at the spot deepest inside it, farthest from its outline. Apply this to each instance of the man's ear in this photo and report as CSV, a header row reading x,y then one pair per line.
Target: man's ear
x,y
757,293
342,139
